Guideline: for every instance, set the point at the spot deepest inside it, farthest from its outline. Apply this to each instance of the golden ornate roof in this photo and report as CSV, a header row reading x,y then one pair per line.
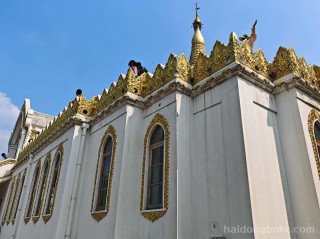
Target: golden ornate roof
x,y
177,67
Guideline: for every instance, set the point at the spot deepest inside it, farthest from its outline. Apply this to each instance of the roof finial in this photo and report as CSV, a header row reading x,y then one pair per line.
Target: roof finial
x,y
197,8
197,22
197,40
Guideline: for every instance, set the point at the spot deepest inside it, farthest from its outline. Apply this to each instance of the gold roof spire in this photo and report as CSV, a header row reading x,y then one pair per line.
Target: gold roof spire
x,y
197,40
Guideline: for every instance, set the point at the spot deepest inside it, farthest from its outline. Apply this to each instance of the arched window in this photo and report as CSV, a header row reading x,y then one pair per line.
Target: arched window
x,y
317,135
19,195
314,131
53,185
154,197
104,175
15,195
6,214
33,191
42,188
156,163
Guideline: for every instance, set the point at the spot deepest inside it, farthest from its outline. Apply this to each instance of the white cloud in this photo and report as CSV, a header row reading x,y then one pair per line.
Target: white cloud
x,y
8,116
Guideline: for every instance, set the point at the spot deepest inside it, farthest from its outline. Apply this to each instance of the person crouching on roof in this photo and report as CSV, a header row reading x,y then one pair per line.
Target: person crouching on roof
x,y
133,66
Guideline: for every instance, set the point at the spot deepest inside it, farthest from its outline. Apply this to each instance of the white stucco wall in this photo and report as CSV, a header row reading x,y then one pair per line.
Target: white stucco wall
x,y
219,190
263,156
302,195
239,156
40,229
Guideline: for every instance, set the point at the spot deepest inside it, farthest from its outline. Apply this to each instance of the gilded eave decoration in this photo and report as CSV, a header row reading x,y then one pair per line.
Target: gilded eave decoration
x,y
99,215
58,126
47,217
147,83
155,215
313,117
177,67
223,55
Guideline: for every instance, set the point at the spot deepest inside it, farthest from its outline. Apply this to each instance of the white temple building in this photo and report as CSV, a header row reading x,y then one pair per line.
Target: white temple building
x,y
225,145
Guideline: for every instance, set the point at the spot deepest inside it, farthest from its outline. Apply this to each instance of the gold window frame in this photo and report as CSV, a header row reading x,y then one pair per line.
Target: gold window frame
x,y
154,215
99,215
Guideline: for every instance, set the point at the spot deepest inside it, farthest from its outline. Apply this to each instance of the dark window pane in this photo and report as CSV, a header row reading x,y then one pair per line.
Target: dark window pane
x,y
104,182
20,191
107,164
157,174
156,196
104,175
41,189
53,185
102,198
108,146
317,130
57,164
33,191
157,156
157,136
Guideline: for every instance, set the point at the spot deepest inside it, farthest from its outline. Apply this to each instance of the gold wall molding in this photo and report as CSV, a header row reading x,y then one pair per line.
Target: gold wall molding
x,y
47,217
110,132
154,215
314,116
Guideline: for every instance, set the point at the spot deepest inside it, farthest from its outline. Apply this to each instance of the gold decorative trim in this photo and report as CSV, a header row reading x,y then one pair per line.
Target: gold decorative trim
x,y
98,216
313,117
87,108
26,220
31,198
110,132
58,126
154,215
46,217
35,219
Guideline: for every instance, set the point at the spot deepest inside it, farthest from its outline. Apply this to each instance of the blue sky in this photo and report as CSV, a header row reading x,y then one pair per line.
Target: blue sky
x,y
49,48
